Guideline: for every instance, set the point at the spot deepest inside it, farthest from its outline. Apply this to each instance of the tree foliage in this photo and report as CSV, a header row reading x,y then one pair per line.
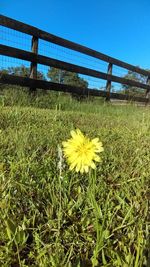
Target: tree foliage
x,y
132,90
66,77
22,71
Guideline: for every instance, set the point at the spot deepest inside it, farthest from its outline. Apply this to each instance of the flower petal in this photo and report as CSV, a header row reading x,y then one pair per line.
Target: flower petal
x,y
81,152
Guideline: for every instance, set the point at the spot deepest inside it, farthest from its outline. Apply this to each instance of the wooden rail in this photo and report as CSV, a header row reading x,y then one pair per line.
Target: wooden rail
x,y
33,66
25,28
28,82
35,59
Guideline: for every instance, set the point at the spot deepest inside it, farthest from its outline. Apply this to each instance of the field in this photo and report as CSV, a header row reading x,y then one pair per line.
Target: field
x,y
54,217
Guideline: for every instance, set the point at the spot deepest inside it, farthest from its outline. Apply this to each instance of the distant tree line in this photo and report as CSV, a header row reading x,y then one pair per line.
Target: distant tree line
x,y
71,78
131,90
22,71
55,75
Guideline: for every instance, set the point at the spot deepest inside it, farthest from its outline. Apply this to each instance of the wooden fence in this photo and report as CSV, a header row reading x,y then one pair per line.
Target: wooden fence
x,y
34,58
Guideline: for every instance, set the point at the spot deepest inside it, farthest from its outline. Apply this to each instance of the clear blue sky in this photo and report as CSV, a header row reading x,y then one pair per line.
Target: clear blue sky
x,y
119,28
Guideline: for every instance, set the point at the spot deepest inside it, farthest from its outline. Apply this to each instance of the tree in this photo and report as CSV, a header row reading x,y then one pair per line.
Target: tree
x,y
132,90
66,77
22,71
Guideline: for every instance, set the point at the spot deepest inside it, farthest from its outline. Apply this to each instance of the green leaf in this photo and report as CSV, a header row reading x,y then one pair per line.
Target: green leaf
x,y
10,228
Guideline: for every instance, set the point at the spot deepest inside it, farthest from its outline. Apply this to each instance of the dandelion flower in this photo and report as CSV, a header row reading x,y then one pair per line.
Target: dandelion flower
x,y
81,152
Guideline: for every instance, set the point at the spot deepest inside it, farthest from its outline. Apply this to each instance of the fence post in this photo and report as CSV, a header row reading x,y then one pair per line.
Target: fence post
x,y
33,66
108,83
148,91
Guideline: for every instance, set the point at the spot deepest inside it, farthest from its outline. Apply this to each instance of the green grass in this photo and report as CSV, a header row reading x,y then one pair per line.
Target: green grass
x,y
96,219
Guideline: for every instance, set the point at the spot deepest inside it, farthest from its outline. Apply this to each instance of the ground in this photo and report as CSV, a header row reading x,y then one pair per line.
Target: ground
x,y
94,219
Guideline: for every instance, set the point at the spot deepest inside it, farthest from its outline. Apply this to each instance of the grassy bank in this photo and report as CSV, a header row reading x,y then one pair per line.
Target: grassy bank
x,y
48,220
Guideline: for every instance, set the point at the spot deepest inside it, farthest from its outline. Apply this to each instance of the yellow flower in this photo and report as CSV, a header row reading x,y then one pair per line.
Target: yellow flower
x,y
81,152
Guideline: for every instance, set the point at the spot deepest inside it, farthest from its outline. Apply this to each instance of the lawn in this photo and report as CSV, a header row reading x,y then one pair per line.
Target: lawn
x,y
54,217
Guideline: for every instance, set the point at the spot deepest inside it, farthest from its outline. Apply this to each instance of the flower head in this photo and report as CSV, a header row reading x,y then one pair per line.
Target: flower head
x,y
81,152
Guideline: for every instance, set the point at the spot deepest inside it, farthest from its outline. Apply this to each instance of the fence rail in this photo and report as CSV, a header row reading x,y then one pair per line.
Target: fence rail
x,y
28,82
34,58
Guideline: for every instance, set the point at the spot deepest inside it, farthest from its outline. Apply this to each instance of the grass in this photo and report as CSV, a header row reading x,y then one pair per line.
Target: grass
x,y
73,220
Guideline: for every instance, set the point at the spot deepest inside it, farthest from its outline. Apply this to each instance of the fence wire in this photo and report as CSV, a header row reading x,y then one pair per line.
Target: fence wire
x,y
22,41
15,38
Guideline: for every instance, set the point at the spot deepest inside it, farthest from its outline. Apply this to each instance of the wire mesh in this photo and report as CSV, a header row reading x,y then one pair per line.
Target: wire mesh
x,y
15,38
8,62
118,71
22,41
70,56
116,87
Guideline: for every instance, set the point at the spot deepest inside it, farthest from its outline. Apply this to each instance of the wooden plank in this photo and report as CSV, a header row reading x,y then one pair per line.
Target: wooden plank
x,y
148,90
34,49
28,82
21,54
25,28
108,83
33,66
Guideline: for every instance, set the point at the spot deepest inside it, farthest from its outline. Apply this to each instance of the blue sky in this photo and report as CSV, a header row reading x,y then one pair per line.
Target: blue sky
x,y
120,29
